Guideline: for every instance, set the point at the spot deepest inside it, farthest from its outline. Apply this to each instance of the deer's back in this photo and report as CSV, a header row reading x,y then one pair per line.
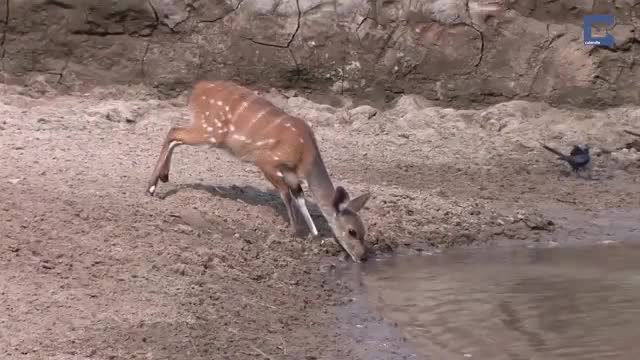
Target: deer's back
x,y
249,126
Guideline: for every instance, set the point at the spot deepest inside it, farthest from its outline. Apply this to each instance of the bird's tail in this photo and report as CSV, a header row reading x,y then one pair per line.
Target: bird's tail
x,y
632,133
549,148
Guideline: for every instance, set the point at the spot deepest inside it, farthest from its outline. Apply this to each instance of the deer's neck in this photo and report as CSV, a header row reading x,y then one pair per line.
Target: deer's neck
x,y
322,188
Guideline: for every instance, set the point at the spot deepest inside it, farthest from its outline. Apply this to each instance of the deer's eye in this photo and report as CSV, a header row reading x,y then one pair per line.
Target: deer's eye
x,y
352,232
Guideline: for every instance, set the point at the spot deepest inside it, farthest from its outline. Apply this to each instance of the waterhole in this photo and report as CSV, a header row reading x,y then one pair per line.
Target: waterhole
x,y
514,303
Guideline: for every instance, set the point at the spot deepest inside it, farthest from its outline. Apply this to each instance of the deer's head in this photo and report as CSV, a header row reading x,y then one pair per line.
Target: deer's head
x,y
349,229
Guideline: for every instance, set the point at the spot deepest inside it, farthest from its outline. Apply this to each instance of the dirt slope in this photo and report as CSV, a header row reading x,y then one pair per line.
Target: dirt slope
x,y
463,52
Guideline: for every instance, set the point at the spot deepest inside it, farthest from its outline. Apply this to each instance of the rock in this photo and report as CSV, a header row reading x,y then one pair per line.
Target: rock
x,y
279,99
409,103
314,113
118,112
361,114
473,51
170,13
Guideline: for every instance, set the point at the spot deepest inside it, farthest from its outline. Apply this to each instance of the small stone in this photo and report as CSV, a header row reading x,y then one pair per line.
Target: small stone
x,y
180,269
607,242
181,228
45,264
327,267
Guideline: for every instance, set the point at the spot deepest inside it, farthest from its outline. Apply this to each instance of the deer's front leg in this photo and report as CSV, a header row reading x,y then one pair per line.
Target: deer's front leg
x,y
291,212
175,137
298,196
290,178
287,199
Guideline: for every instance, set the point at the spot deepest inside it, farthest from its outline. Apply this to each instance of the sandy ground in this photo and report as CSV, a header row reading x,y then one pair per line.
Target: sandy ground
x,y
91,267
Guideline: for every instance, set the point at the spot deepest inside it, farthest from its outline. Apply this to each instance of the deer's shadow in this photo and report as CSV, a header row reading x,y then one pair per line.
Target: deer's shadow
x,y
254,196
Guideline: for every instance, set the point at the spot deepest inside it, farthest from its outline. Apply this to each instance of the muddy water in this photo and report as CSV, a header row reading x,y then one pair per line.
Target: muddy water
x,y
524,303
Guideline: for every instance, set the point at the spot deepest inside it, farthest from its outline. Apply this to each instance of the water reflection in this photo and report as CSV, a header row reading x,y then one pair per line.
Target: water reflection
x,y
559,303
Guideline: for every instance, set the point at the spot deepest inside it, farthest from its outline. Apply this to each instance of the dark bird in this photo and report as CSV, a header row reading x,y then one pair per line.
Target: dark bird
x,y
579,157
632,133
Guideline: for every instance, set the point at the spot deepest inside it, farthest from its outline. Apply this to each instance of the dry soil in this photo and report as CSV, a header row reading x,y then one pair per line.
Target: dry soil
x,y
92,268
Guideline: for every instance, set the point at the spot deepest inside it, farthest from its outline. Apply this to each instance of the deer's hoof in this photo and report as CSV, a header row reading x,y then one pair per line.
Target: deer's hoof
x,y
151,189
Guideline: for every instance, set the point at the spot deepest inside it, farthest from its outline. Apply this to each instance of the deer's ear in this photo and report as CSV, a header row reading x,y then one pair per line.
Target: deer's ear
x,y
358,203
340,199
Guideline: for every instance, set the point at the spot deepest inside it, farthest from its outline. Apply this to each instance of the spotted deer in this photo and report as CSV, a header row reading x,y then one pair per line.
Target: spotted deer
x,y
231,117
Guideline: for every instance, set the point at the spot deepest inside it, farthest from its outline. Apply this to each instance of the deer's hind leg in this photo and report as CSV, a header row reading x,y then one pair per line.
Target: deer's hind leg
x,y
175,137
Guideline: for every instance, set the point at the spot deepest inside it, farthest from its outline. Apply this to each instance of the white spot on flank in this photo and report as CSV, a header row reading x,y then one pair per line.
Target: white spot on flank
x,y
278,173
210,101
239,137
231,127
207,113
290,126
209,128
257,117
276,158
265,142
226,108
242,107
218,123
213,140
219,103
204,98
301,141
276,122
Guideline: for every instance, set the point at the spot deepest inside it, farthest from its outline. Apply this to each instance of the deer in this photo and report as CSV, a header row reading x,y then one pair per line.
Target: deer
x,y
228,116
